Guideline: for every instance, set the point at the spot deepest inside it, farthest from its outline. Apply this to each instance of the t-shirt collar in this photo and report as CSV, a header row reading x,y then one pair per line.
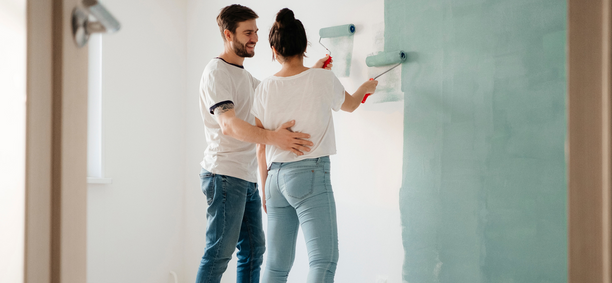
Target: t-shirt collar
x,y
239,66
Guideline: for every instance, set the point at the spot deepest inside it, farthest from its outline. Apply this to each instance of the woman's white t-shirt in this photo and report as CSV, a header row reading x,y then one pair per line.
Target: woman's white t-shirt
x,y
307,98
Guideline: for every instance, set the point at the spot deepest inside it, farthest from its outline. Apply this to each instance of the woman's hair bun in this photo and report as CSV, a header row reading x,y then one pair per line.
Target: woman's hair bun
x,y
287,35
285,17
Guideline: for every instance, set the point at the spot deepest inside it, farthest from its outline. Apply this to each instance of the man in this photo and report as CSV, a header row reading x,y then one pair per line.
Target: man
x,y
228,176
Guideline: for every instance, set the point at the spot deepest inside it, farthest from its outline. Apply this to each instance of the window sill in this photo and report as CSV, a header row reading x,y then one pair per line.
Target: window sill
x,y
102,181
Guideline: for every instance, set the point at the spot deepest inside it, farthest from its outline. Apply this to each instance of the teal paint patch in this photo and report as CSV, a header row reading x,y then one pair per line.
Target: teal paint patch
x,y
388,96
342,54
555,56
389,85
483,195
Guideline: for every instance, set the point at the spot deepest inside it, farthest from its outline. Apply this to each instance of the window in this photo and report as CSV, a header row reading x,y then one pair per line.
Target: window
x,y
95,172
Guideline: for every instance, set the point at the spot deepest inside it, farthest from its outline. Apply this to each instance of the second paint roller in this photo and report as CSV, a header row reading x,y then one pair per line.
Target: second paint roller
x,y
384,59
335,31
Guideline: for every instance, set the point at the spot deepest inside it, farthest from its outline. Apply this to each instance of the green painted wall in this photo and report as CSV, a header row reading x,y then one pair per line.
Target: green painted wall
x,y
483,195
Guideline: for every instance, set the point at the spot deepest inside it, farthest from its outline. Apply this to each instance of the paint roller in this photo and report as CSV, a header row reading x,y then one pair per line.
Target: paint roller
x,y
335,31
384,59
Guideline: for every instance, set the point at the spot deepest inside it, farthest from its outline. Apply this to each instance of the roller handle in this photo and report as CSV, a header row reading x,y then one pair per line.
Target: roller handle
x,y
366,95
326,62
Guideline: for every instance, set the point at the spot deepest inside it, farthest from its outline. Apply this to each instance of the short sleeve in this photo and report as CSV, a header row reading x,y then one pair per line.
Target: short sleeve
x,y
216,89
338,94
256,82
258,109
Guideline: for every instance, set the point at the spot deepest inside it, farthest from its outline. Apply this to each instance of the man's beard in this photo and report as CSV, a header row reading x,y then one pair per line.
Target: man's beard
x,y
241,50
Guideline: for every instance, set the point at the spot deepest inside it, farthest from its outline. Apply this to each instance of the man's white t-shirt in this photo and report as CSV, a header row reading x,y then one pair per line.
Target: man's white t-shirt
x,y
307,98
223,82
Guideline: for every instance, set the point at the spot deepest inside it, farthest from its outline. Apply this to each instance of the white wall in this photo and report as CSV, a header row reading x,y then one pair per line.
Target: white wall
x,y
366,174
135,225
12,138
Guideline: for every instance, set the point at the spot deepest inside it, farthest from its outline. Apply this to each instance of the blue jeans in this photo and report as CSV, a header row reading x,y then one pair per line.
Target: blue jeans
x,y
234,221
300,193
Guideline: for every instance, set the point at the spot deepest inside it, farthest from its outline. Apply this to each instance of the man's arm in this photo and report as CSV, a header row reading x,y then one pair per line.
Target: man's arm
x,y
239,129
263,167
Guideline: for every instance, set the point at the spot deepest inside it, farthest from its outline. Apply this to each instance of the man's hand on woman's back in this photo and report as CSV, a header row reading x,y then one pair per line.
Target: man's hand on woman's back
x,y
285,139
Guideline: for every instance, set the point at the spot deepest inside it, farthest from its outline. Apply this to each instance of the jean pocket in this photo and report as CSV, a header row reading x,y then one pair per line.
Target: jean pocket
x,y
210,194
299,184
208,187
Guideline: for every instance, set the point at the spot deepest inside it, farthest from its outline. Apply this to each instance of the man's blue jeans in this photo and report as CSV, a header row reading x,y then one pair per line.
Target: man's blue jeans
x,y
234,221
300,194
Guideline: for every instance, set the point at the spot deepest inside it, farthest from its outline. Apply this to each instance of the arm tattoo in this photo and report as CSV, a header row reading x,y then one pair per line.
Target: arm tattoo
x,y
223,107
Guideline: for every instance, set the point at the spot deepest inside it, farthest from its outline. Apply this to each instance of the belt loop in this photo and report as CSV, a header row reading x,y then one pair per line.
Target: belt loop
x,y
318,159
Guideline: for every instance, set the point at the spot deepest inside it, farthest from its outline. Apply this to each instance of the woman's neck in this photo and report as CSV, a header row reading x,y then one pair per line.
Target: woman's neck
x,y
291,66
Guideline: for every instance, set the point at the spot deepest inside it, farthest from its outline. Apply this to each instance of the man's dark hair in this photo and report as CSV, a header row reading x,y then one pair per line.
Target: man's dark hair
x,y
288,35
230,16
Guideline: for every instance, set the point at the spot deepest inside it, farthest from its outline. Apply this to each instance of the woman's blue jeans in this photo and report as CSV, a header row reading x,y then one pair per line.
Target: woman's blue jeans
x,y
234,221
300,194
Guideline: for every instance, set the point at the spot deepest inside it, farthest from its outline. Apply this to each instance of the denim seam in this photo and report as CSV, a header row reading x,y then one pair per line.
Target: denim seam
x,y
278,188
300,166
252,248
295,231
277,183
331,235
209,200
267,187
212,268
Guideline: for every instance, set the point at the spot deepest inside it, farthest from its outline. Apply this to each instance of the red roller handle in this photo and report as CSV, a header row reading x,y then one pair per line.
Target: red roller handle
x,y
326,62
366,95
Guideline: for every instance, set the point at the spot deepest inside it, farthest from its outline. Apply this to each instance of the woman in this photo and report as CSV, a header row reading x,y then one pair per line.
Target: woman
x,y
297,189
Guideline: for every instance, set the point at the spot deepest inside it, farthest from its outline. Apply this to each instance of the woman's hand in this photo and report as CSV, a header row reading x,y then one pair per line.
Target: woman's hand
x,y
321,61
263,203
369,86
